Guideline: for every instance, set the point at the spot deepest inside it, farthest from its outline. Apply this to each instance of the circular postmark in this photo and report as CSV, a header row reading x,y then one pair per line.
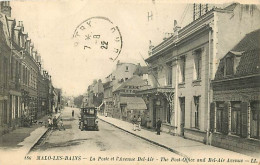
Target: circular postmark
x,y
98,35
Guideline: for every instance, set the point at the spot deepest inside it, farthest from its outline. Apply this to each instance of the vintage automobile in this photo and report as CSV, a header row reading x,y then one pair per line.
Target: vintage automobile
x,y
88,119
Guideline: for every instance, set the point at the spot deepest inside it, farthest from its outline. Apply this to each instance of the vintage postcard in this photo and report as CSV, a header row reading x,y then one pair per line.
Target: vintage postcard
x,y
129,82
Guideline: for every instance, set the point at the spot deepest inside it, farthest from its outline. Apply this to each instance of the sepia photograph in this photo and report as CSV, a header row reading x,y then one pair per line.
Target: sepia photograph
x,y
129,82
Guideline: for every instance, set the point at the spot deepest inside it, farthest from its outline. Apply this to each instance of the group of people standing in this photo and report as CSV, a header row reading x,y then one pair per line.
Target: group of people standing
x,y
137,124
54,123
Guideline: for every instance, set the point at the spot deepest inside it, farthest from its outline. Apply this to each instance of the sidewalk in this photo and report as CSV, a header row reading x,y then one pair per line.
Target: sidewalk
x,y
176,144
23,138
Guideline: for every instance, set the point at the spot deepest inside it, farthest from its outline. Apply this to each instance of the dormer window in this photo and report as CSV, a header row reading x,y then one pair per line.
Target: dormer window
x,y
229,66
231,63
126,68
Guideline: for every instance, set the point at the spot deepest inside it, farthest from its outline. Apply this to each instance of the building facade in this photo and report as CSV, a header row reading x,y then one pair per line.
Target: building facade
x,y
126,103
182,66
20,73
5,52
123,72
235,110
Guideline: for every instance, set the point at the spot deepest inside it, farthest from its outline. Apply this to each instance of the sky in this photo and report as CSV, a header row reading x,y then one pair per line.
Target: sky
x,y
51,25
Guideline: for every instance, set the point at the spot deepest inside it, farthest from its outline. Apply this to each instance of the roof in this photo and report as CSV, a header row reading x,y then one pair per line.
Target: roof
x,y
248,49
231,6
133,103
250,42
133,81
4,34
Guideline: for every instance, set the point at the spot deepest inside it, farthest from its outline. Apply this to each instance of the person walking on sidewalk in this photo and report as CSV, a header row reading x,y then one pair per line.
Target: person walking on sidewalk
x,y
134,122
72,113
158,126
55,124
139,121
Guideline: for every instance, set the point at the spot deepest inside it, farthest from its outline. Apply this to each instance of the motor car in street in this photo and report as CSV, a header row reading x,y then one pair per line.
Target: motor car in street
x,y
88,119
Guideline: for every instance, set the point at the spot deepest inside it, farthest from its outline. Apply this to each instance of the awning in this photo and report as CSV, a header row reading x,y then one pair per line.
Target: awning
x,y
167,92
156,90
133,103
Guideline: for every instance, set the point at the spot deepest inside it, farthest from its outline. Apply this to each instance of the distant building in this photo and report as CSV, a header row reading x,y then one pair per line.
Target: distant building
x,y
126,104
95,94
123,72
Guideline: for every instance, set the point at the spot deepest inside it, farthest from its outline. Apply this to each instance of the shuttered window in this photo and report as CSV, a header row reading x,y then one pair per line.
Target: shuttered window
x,y
235,118
255,120
219,116
197,112
225,118
212,117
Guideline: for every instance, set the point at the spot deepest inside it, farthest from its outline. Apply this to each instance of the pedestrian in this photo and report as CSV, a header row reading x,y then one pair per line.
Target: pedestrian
x,y
210,137
134,122
72,113
61,126
158,126
49,122
139,121
54,122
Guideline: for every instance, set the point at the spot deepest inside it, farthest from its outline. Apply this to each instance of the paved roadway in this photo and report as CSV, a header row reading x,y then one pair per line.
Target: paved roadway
x,y
108,141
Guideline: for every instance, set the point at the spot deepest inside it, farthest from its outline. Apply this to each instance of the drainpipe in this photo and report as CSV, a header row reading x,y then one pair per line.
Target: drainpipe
x,y
209,81
176,103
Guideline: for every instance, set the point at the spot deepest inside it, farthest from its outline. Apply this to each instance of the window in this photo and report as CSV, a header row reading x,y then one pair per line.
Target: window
x,y
235,118
182,69
169,74
219,122
5,65
126,68
229,66
16,71
5,112
12,68
197,106
197,64
255,120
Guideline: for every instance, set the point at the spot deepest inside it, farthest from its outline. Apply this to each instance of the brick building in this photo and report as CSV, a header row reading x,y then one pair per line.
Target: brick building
x,y
235,111
5,52
20,73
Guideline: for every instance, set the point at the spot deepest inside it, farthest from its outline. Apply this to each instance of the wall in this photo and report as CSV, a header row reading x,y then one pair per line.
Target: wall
x,y
234,143
191,88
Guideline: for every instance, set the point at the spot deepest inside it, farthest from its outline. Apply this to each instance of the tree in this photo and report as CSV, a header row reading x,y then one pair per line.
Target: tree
x,y
78,100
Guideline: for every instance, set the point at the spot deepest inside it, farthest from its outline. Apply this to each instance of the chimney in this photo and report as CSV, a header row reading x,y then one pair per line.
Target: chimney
x,y
20,24
118,63
6,8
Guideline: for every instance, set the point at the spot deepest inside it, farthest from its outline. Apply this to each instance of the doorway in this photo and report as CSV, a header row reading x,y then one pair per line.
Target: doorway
x,y
182,108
